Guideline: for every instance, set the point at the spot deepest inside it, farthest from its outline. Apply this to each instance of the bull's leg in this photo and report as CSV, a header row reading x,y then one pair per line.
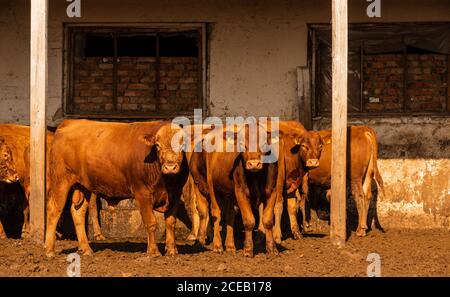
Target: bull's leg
x,y
230,216
26,212
2,232
55,206
292,211
268,218
170,220
78,212
358,194
247,218
202,208
301,198
278,211
215,217
93,214
145,204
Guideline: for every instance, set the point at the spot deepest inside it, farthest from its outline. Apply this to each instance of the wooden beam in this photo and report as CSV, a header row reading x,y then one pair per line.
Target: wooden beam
x,y
38,98
339,121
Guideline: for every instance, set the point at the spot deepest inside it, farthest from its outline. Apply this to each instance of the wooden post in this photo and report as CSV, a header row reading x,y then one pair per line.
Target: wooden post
x,y
304,96
339,122
38,98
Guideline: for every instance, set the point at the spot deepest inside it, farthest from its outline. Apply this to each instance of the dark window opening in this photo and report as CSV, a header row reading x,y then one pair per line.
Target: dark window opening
x,y
178,45
98,45
136,46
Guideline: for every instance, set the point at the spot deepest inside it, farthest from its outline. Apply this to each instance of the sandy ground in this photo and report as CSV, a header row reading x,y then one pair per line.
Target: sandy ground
x,y
403,253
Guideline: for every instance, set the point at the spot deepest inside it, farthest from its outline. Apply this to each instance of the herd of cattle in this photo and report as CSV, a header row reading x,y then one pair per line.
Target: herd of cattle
x,y
116,161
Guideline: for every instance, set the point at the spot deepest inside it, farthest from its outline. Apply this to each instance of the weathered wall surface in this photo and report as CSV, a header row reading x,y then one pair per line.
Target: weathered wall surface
x,y
414,161
255,46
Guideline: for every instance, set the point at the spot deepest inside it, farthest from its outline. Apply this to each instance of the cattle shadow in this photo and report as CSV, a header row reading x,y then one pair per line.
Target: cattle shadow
x,y
138,247
319,203
12,201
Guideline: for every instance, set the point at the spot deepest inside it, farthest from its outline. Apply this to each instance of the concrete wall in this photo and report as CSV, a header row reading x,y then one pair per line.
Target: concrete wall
x,y
254,49
414,162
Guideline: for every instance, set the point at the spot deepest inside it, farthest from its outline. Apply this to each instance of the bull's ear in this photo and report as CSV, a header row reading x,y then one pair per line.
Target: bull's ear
x,y
275,138
326,139
148,139
229,136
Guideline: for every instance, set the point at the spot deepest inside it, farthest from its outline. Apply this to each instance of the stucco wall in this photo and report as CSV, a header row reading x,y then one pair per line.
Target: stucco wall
x,y
414,161
255,46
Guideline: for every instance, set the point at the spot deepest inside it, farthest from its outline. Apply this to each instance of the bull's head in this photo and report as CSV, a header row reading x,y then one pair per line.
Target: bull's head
x,y
309,146
8,171
169,155
252,153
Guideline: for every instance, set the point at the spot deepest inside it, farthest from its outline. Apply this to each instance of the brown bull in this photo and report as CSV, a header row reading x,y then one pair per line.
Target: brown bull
x,y
299,152
18,136
8,173
235,177
362,168
117,161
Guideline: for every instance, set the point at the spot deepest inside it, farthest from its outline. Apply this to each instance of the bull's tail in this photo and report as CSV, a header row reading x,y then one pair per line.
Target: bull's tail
x,y
376,174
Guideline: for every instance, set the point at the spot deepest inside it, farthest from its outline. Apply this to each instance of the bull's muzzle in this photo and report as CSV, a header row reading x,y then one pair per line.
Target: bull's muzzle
x,y
253,165
170,168
12,178
312,163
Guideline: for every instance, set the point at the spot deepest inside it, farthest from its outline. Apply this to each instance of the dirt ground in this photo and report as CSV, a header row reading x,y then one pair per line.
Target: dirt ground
x,y
403,253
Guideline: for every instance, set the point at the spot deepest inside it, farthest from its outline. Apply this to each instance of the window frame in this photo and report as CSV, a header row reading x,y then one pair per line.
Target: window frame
x,y
313,58
150,28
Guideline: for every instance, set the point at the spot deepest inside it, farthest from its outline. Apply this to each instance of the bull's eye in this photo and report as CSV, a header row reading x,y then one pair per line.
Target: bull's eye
x,y
304,147
5,156
158,146
321,147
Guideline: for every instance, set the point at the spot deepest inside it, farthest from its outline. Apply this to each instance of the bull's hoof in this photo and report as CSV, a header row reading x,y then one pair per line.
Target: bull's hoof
x,y
218,249
248,252
361,232
191,237
297,235
50,254
307,229
24,235
231,250
3,236
272,251
172,252
154,253
99,237
87,252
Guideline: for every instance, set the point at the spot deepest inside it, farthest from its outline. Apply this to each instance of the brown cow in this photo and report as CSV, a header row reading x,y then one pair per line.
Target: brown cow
x,y
117,161
361,168
235,177
8,173
18,136
299,152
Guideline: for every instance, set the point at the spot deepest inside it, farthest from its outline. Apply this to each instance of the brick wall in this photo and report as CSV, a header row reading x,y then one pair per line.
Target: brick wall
x,y
426,82
179,87
383,79
93,88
